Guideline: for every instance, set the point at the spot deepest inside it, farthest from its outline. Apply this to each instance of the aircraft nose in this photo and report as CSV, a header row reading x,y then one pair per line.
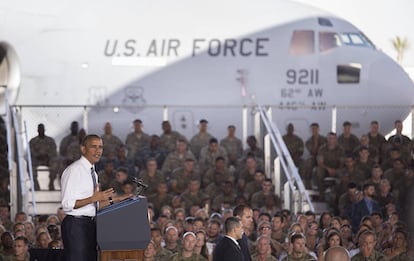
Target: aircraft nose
x,y
390,81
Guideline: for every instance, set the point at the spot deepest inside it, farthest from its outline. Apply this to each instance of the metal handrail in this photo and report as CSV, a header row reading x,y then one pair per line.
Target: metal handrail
x,y
30,167
286,161
21,137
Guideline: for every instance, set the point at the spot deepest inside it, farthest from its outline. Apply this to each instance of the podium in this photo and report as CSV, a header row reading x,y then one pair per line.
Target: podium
x,y
123,230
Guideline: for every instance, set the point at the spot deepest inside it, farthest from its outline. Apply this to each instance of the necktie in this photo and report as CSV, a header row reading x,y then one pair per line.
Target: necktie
x,y
369,206
94,185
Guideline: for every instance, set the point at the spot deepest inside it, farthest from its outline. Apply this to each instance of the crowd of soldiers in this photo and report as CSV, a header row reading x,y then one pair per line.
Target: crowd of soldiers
x,y
195,184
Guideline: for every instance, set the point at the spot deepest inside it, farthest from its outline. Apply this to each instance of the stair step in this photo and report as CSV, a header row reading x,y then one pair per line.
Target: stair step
x,y
46,196
44,208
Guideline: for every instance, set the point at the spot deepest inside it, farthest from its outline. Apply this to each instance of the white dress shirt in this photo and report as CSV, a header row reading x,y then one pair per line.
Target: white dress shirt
x,y
76,184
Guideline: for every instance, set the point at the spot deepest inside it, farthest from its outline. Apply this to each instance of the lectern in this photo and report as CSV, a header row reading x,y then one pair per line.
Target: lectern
x,y
123,230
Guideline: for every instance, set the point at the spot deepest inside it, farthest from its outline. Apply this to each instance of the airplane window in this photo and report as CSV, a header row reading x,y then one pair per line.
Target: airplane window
x,y
302,42
324,22
348,73
356,39
345,39
328,40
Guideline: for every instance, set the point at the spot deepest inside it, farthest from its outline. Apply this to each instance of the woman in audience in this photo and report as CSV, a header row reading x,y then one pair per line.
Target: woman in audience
x,y
43,240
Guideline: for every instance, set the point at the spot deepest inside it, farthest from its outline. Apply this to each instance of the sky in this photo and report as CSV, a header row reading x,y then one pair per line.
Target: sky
x,y
380,20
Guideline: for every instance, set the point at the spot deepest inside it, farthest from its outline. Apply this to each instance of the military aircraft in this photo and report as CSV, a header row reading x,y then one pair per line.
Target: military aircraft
x,y
97,61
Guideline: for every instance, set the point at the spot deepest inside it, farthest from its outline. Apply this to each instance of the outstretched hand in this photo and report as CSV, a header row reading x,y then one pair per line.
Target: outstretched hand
x,y
122,197
102,195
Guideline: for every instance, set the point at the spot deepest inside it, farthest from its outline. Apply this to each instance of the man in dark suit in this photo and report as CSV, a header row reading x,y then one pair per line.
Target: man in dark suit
x,y
245,214
228,248
365,206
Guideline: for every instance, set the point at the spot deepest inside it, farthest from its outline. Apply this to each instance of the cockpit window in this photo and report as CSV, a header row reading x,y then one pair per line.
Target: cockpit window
x,y
328,40
356,39
302,42
348,73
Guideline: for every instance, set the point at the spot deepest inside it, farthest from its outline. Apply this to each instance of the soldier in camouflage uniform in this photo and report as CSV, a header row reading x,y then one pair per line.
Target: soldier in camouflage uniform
x,y
233,146
21,250
121,175
73,150
106,176
347,140
162,253
355,174
330,159
294,144
226,196
121,160
258,198
187,251
263,250
176,158
253,148
209,154
299,252
152,177
160,198
180,178
213,187
111,143
373,152
201,139
402,142
154,150
400,246
246,174
255,185
169,138
136,140
312,145
279,233
43,152
194,196
171,238
377,140
396,173
364,163
367,242
219,169
70,146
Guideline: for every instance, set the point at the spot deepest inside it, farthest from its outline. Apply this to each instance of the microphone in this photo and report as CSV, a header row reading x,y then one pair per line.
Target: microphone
x,y
139,182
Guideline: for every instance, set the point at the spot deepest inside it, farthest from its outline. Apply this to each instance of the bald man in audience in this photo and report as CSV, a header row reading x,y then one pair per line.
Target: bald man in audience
x,y
337,253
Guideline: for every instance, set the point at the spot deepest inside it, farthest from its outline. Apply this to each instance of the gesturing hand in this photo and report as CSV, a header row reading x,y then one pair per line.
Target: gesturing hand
x,y
102,195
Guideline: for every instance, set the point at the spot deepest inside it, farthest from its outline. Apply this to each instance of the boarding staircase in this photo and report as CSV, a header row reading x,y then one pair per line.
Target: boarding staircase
x,y
279,164
22,195
44,201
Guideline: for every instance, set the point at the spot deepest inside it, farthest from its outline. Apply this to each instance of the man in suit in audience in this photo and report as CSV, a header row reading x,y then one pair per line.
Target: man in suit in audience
x,y
228,248
245,214
364,207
